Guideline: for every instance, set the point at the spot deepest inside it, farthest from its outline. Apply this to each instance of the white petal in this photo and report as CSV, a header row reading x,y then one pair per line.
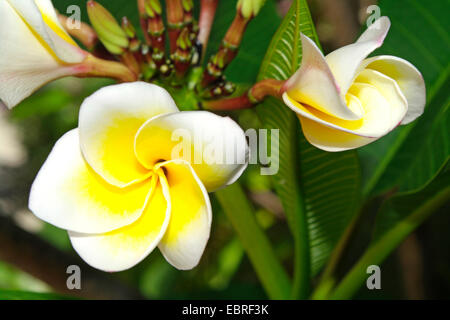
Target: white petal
x,y
41,17
215,146
123,248
345,62
408,78
391,92
190,221
109,121
380,116
26,63
330,139
314,84
71,196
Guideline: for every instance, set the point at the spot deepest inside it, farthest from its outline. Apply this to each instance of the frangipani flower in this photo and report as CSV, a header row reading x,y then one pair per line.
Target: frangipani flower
x,y
346,100
116,184
34,48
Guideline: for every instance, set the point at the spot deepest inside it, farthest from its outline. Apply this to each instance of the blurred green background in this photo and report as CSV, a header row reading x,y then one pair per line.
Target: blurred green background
x,y
419,268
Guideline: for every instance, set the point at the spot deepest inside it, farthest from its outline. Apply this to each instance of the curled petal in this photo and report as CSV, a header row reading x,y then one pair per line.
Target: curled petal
x,y
330,139
380,117
314,84
215,146
390,91
108,123
27,62
40,16
190,221
408,78
347,62
70,195
125,247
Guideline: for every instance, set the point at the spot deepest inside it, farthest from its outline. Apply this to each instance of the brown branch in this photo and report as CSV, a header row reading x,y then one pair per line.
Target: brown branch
x,y
256,94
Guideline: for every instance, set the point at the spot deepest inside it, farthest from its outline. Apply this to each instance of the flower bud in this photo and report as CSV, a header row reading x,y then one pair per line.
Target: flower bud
x,y
153,8
250,8
109,31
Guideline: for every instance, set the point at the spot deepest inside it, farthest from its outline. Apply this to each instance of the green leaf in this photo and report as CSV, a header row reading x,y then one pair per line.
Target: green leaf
x,y
328,183
25,295
408,157
397,218
400,207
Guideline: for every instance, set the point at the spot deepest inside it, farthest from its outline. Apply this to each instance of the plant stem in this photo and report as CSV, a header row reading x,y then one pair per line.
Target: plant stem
x,y
98,68
256,94
327,280
259,250
301,282
207,12
376,254
227,51
175,21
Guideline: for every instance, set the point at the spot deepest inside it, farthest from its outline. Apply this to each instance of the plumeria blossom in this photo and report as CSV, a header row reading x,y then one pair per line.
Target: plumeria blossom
x,y
345,100
116,184
34,48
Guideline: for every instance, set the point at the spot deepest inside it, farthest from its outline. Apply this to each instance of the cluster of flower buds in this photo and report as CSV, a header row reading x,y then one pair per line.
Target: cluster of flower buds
x,y
148,59
213,74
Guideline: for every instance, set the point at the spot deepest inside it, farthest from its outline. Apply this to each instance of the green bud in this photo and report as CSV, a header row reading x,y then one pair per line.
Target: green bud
x,y
229,87
217,91
153,8
128,28
187,5
184,41
250,8
108,30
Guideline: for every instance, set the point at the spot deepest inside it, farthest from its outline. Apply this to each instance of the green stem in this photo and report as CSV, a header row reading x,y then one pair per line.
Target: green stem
x,y
327,280
300,288
259,250
298,224
376,254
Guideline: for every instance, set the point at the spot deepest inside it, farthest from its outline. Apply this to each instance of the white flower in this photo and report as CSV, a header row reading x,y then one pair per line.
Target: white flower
x,y
346,100
34,48
115,185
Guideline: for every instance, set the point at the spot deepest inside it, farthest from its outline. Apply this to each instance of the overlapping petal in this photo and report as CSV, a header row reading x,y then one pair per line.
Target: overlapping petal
x,y
332,134
40,17
70,195
315,85
346,62
125,247
27,61
190,221
408,78
215,146
109,121
346,100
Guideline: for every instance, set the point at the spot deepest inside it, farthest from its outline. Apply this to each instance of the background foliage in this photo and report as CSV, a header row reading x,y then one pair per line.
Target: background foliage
x,y
316,193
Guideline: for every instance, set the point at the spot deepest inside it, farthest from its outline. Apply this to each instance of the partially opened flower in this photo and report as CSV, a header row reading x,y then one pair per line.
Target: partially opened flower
x,y
35,49
346,100
121,185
